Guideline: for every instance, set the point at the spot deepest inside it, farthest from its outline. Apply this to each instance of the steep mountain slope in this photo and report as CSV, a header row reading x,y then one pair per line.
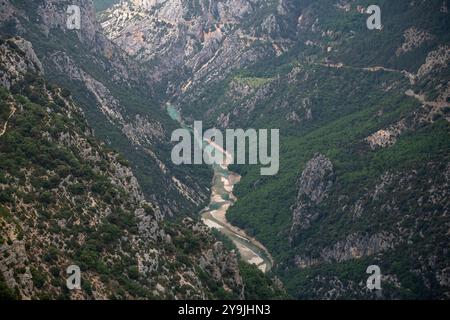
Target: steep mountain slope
x,y
120,99
66,199
364,121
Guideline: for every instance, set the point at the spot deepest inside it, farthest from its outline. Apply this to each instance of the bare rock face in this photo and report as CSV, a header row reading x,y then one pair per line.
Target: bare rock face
x,y
435,61
52,14
199,40
14,256
313,187
355,246
385,138
180,29
17,58
223,267
105,197
414,38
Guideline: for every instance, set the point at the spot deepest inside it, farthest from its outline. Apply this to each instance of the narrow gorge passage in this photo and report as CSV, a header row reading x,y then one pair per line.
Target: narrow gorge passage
x,y
222,198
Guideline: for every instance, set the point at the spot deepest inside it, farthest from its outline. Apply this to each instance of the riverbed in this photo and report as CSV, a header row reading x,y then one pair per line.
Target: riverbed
x,y
222,198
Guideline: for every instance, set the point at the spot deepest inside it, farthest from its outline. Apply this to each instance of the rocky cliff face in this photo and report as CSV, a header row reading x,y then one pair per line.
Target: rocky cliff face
x,y
313,186
196,42
16,65
66,199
